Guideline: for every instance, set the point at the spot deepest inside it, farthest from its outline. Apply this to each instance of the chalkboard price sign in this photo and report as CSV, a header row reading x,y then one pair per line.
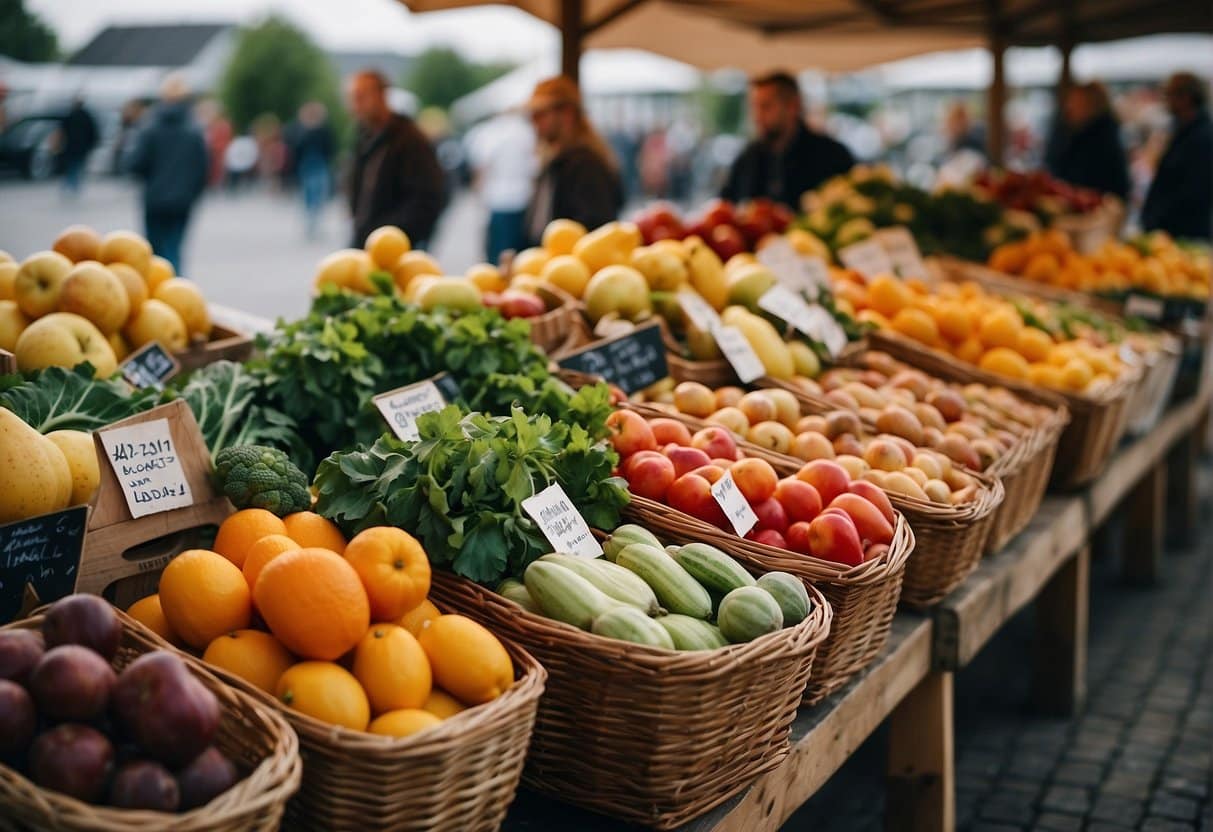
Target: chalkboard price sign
x,y
42,553
633,361
150,366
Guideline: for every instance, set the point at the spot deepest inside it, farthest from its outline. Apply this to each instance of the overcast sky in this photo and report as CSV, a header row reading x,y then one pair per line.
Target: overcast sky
x,y
484,34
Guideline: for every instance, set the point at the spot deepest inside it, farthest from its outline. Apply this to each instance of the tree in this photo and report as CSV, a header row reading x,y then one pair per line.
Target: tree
x,y
274,69
440,76
23,35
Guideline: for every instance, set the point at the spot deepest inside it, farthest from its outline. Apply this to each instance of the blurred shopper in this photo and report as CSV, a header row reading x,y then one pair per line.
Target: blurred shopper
x,y
578,176
1180,200
1089,151
239,162
502,154
960,133
78,137
312,150
217,129
396,179
170,157
787,158
129,118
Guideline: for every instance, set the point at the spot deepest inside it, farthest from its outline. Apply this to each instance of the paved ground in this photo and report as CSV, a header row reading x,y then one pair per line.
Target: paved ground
x,y
247,250
1138,758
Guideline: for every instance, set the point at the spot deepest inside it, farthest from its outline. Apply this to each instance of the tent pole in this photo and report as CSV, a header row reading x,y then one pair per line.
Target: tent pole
x,y
996,104
570,37
1068,36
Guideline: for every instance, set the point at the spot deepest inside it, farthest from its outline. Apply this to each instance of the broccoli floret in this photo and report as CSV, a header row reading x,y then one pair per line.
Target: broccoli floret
x,y
257,476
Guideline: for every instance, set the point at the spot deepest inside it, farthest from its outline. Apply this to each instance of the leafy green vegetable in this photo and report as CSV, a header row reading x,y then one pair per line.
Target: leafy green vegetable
x,y
60,399
257,476
460,487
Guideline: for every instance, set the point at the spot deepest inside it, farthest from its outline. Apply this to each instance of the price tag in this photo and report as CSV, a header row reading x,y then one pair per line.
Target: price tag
x,y
698,311
830,332
818,271
633,361
402,406
867,257
41,554
147,466
150,366
789,306
1144,306
903,251
740,354
734,504
561,522
788,267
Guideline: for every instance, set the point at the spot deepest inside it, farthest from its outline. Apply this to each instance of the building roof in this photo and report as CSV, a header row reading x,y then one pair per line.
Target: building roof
x,y
152,45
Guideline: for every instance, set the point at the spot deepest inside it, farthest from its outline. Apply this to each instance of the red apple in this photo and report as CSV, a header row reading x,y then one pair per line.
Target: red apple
x,y
771,515
651,477
715,441
718,211
626,468
726,241
692,494
874,551
770,537
800,500
869,522
832,536
516,304
630,433
711,473
828,477
798,537
667,430
872,493
755,478
685,459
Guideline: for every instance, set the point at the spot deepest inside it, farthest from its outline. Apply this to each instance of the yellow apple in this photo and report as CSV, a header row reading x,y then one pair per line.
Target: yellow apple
x,y
136,286
619,289
185,297
530,261
157,321
12,323
81,453
411,265
62,339
127,247
78,243
561,235
8,279
567,272
29,485
118,345
158,271
36,287
92,291
349,268
487,277
386,245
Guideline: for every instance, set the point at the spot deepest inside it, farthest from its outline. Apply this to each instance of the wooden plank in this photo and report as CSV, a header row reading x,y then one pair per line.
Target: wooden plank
x,y
1183,499
240,321
921,791
1141,559
1059,672
1005,582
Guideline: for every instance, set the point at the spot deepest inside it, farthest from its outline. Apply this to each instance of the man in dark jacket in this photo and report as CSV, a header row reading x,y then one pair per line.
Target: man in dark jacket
x,y
396,178
78,138
1090,153
787,158
170,157
1180,200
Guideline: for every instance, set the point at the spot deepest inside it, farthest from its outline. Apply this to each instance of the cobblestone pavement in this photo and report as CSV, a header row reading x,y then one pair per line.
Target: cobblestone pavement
x,y
1138,757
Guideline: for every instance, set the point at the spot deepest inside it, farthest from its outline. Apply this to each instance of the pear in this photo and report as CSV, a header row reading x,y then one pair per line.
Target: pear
x,y
77,446
31,483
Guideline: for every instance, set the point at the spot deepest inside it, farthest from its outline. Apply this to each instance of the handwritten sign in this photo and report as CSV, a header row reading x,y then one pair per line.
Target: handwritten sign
x,y
734,504
1144,306
148,468
698,311
402,406
41,553
633,361
150,366
740,355
903,251
867,257
561,522
789,268
788,306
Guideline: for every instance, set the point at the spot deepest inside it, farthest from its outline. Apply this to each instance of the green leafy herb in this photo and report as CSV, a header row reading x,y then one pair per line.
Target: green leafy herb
x,y
60,399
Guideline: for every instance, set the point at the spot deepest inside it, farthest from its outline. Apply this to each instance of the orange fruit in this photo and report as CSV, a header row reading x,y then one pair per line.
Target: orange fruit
x,y
1009,258
954,321
561,235
148,612
392,668
970,350
403,723
916,324
394,569
256,657
418,615
1042,267
1005,362
203,596
1045,375
240,531
441,704
531,261
1077,374
386,245
158,271
310,530
325,691
1000,328
262,552
1034,344
871,316
466,659
312,600
888,295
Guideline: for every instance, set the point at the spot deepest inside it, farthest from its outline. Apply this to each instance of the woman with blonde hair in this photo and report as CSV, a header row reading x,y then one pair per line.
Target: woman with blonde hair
x,y
578,177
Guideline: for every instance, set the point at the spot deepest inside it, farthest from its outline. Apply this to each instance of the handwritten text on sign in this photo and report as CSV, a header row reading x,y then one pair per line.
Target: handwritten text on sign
x,y
903,251
561,522
633,361
148,468
734,504
402,406
42,552
149,366
698,311
867,257
811,319
791,269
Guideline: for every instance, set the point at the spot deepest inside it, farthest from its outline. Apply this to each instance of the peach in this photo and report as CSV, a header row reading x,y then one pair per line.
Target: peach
x,y
957,480
771,515
854,465
928,465
841,399
685,458
900,483
692,494
834,537
666,431
873,378
917,474
960,451
838,422
828,477
937,491
885,455
694,399
900,396
787,408
755,479
869,415
716,442
768,537
968,430
812,445
630,433
874,476
626,468
866,396
868,519
799,499
907,448
732,419
814,424
986,451
874,495
931,437
899,421
951,405
651,477
758,407
847,445
797,537
774,436
914,381
710,472
928,416
808,385
875,551
728,396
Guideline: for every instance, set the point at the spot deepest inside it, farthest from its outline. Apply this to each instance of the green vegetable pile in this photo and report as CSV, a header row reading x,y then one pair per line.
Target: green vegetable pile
x,y
460,487
256,476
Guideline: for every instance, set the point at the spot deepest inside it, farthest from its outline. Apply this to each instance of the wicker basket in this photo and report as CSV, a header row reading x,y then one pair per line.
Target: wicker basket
x,y
460,775
551,329
1158,379
646,734
256,738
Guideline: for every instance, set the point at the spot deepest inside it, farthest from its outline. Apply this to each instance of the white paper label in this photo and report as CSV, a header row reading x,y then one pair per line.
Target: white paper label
x,y
401,407
812,319
561,522
902,249
867,257
734,504
147,466
698,311
789,268
740,354
818,271
831,332
1143,306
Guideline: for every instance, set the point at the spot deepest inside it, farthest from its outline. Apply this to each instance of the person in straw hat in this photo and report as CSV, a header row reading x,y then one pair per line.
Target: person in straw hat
x,y
578,177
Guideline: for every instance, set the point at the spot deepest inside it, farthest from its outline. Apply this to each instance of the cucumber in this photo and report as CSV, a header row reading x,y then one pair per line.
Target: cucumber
x,y
675,588
789,593
626,535
516,591
691,633
566,596
747,613
630,624
713,568
617,582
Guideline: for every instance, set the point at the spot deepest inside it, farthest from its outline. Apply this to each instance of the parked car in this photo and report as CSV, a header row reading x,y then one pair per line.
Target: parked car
x,y
28,146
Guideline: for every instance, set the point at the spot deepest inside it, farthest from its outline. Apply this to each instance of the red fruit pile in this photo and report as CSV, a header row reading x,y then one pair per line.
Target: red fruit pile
x,y
728,229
